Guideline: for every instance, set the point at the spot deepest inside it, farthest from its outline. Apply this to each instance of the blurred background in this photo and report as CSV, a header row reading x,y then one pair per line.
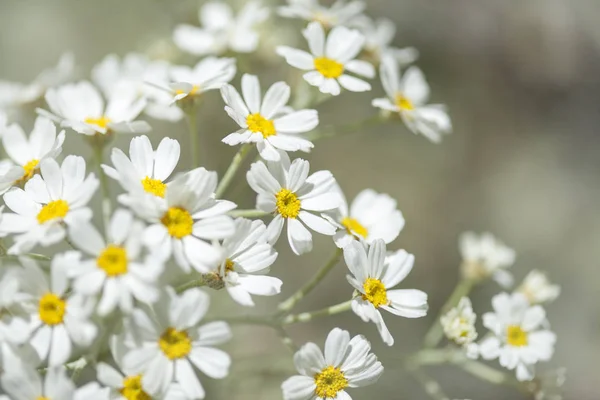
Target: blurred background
x,y
521,83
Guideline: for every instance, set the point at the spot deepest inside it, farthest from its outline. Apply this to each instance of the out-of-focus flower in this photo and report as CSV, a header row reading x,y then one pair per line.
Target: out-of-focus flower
x,y
538,289
379,35
340,12
484,256
209,74
459,323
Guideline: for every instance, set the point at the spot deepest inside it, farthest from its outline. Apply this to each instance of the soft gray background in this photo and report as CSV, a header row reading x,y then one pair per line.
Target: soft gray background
x,y
520,79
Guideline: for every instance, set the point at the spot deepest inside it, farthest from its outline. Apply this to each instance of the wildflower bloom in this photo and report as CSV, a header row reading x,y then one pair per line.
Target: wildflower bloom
x,y
373,275
330,58
210,73
520,339
247,256
292,195
27,153
265,122
117,271
80,107
145,170
57,198
221,31
459,323
484,256
172,344
408,95
340,12
345,363
538,289
379,35
371,216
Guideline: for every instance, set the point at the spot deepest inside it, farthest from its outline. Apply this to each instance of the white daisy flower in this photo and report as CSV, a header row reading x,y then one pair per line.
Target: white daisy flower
x,y
80,107
330,58
484,256
221,31
15,94
340,12
172,345
145,170
408,95
247,257
379,35
57,198
371,216
58,319
373,276
267,123
117,269
187,220
210,73
293,196
27,153
538,289
345,363
459,326
520,338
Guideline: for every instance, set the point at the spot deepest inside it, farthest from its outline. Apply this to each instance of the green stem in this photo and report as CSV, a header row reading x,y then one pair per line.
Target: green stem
x,y
248,213
308,316
435,333
106,205
191,284
288,304
430,385
232,170
192,119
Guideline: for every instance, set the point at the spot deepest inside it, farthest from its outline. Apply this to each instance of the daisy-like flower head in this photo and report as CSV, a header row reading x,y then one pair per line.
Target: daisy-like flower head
x,y
538,289
484,256
330,58
27,153
58,319
145,170
287,191
373,275
210,73
459,323
57,198
117,270
345,363
172,345
221,31
371,216
408,95
269,123
247,256
80,106
15,94
340,12
520,338
186,220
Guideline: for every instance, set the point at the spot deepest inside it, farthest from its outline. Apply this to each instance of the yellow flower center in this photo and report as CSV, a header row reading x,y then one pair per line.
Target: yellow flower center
x,y
52,309
132,389
258,123
178,221
329,382
52,210
29,168
113,260
175,344
329,68
42,398
288,204
195,89
101,122
228,266
516,336
353,226
154,186
403,103
375,292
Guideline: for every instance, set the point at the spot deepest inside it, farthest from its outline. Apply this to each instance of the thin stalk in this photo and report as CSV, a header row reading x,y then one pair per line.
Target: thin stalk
x,y
232,170
191,284
106,205
192,119
308,316
248,213
430,385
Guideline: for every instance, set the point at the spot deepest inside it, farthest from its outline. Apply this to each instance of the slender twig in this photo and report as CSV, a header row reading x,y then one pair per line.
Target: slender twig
x,y
308,316
191,284
233,168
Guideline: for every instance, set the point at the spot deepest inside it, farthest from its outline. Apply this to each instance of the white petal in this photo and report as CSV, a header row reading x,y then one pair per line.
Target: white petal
x,y
299,237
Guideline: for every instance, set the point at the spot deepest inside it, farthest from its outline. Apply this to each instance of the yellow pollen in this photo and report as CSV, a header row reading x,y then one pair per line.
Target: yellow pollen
x,y
375,292
52,309
113,260
328,68
288,204
258,123
132,389
154,186
403,103
175,344
194,91
52,210
178,221
101,122
354,227
516,336
329,382
228,266
30,169
42,398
